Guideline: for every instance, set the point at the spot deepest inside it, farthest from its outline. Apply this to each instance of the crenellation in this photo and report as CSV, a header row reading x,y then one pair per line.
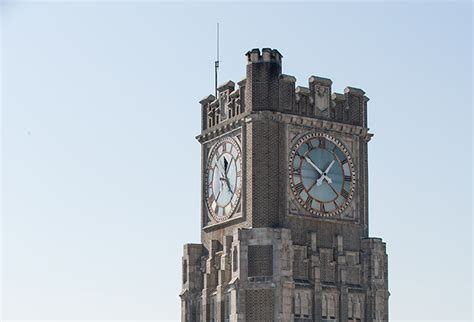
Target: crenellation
x,y
320,97
228,104
226,87
287,93
267,55
302,97
355,104
266,88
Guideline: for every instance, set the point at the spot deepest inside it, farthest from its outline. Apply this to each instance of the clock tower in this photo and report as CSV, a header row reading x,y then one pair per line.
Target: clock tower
x,y
284,211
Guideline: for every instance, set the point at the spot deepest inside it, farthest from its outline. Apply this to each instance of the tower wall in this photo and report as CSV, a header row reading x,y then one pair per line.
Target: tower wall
x,y
271,260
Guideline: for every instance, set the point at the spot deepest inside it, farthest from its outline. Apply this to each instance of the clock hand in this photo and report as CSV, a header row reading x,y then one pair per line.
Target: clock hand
x,y
321,178
223,177
219,193
228,185
312,164
227,182
219,168
329,167
324,175
228,167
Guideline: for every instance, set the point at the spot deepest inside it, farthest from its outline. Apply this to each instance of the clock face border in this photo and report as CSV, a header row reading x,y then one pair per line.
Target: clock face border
x,y
215,150
295,195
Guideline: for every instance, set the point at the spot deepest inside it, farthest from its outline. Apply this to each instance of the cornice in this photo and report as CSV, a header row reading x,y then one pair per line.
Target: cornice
x,y
311,122
293,119
222,128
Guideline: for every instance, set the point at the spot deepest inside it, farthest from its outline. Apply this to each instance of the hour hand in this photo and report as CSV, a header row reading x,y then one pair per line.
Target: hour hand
x,y
222,173
226,180
324,175
321,178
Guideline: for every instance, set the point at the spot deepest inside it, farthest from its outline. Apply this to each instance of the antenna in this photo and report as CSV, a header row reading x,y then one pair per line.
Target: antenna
x,y
216,63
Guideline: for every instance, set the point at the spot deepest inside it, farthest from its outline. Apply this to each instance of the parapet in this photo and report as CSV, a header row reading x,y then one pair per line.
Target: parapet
x,y
266,88
229,103
267,55
318,101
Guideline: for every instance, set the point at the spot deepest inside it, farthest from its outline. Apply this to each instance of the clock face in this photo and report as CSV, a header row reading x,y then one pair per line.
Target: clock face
x,y
321,173
223,179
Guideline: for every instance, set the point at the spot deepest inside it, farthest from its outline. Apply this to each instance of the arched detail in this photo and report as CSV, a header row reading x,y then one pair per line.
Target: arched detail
x,y
235,259
297,305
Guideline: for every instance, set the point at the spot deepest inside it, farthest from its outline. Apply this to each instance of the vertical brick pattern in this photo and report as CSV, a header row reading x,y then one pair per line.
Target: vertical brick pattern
x,y
263,86
287,96
338,110
355,109
259,305
260,260
300,264
302,105
263,173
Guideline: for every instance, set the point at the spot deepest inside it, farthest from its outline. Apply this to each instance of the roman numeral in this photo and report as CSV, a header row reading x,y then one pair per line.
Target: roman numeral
x,y
344,161
322,143
347,178
214,206
322,208
307,203
210,200
309,144
298,188
297,172
224,147
344,193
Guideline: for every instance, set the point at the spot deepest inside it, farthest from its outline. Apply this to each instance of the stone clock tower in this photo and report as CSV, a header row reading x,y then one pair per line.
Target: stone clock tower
x,y
284,212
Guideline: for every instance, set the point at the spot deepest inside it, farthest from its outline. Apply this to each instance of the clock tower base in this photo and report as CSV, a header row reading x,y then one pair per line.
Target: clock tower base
x,y
258,274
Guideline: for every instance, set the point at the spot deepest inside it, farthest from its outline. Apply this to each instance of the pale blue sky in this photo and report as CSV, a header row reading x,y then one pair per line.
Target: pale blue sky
x,y
100,177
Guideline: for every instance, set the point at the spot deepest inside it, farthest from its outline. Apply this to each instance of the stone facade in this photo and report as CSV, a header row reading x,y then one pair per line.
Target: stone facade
x,y
271,260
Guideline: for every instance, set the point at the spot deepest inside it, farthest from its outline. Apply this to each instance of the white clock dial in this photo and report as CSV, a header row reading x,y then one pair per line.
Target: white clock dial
x,y
223,179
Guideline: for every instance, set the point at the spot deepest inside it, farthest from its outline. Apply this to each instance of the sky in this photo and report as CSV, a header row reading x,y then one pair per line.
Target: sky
x,y
101,169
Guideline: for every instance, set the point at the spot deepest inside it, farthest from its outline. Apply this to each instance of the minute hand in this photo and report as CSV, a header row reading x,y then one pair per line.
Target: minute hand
x,y
312,164
325,175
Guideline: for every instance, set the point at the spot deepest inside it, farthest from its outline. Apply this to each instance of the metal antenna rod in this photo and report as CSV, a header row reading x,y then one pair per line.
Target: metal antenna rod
x,y
216,63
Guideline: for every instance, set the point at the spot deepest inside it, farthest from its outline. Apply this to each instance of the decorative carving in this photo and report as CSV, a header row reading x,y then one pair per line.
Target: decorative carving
x,y
329,306
303,305
321,99
285,255
354,308
235,259
321,91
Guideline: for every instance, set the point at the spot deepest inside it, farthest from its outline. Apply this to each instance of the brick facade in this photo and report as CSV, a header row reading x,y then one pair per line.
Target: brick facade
x,y
272,260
